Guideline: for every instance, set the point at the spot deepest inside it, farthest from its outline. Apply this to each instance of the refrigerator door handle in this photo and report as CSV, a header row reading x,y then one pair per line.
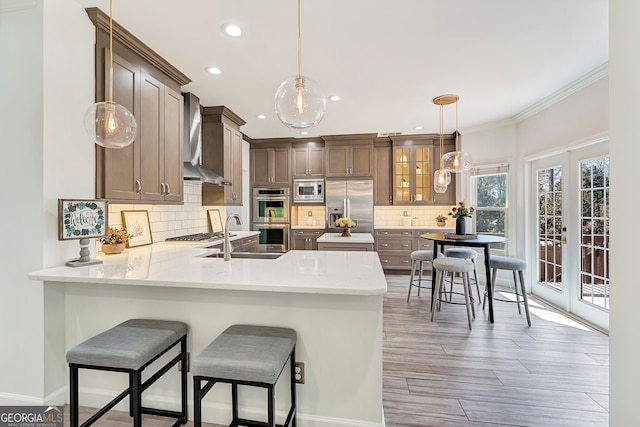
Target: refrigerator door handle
x,y
348,207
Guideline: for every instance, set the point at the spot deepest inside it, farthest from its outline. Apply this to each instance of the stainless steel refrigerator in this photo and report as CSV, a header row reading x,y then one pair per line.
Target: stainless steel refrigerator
x,y
353,199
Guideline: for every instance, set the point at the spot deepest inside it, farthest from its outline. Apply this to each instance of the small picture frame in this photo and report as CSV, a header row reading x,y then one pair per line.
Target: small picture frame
x,y
138,225
82,219
215,220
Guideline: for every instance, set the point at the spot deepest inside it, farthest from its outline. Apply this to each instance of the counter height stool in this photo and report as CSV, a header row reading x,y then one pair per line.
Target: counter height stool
x,y
515,265
417,260
246,355
452,265
465,253
130,347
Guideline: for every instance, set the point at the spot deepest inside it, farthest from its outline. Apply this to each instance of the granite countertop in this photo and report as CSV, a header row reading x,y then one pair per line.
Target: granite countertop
x,y
186,265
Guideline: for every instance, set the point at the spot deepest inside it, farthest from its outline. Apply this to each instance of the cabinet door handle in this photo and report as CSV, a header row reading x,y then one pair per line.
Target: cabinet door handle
x,y
138,186
168,189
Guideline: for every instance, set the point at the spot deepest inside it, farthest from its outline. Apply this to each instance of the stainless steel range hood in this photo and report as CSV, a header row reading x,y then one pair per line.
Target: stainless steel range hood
x,y
192,150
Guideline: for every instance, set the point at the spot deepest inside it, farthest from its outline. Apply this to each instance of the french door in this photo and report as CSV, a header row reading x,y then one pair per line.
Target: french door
x,y
570,198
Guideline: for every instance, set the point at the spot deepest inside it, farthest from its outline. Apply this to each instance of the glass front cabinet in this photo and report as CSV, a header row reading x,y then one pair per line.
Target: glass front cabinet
x,y
415,159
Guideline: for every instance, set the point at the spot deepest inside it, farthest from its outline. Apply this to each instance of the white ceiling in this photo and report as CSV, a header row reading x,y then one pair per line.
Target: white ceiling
x,y
386,59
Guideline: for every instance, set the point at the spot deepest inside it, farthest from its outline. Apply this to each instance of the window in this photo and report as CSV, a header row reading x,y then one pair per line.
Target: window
x,y
489,197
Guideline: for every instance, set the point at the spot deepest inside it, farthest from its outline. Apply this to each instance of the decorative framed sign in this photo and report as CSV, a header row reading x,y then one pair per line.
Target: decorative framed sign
x,y
138,225
215,220
82,219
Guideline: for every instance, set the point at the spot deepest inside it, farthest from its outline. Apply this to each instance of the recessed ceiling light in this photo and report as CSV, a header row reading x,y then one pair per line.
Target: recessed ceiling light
x,y
335,98
231,30
261,116
418,128
214,70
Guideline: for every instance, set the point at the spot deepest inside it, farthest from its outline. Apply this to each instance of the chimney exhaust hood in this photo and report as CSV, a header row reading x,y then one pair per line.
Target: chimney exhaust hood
x,y
192,149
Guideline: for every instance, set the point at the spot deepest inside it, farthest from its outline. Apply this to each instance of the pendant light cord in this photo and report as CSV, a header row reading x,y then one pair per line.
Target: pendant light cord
x,y
456,126
110,50
299,44
441,137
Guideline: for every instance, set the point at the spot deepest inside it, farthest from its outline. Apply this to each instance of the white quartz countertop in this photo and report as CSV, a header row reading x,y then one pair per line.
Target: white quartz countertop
x,y
185,265
354,238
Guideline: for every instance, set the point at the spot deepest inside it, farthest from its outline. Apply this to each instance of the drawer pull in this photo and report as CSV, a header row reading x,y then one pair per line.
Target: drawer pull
x,y
384,245
405,261
405,246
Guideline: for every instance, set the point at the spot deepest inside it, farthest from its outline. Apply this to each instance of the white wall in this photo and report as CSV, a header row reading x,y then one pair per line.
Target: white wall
x,y
624,66
46,81
21,80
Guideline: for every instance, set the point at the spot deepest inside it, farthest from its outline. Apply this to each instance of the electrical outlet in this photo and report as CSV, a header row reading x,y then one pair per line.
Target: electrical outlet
x,y
299,372
310,213
188,363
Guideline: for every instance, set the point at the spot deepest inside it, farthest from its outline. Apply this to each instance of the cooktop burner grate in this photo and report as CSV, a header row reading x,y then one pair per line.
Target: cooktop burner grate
x,y
198,237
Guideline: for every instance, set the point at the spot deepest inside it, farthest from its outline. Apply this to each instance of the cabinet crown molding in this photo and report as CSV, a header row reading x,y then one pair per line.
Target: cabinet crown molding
x,y
101,22
220,112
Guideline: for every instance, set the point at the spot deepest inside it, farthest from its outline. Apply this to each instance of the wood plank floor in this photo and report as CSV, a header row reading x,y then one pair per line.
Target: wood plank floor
x,y
554,373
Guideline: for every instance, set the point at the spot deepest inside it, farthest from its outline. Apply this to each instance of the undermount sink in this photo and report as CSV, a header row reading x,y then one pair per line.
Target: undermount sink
x,y
251,255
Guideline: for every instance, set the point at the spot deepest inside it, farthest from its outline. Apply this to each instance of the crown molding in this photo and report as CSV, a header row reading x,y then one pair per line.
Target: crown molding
x,y
582,82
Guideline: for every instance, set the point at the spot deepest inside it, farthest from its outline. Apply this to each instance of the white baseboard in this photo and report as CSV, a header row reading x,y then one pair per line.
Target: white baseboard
x,y
59,397
217,413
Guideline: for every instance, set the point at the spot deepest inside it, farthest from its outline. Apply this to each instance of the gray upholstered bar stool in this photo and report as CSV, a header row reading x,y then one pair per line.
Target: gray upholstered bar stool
x,y
246,355
130,347
515,265
465,253
418,258
452,265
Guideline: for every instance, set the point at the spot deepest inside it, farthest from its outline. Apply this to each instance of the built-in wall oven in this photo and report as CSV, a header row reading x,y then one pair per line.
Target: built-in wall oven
x,y
271,205
271,218
273,237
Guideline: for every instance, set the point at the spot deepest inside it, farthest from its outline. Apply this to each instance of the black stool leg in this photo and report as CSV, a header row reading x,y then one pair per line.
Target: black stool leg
x,y
234,402
135,397
73,398
293,386
184,367
271,407
197,403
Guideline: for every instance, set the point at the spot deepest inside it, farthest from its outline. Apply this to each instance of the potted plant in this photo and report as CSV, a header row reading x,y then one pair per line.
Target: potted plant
x,y
115,241
441,220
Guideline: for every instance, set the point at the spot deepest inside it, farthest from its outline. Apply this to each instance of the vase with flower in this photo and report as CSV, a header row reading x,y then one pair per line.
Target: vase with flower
x,y
346,224
115,241
460,213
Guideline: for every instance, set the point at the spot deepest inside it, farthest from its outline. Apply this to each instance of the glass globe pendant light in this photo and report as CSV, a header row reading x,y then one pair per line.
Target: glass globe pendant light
x,y
110,125
457,161
299,101
442,177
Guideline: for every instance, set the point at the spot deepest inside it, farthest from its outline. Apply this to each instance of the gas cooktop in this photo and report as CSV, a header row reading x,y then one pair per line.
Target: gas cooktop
x,y
198,237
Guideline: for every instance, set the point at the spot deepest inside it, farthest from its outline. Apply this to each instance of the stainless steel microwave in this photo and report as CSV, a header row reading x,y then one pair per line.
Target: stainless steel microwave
x,y
308,190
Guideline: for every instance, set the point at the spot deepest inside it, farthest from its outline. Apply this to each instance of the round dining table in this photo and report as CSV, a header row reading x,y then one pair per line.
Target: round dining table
x,y
440,240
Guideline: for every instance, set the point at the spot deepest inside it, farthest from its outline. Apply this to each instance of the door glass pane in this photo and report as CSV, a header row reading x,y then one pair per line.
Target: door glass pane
x,y
402,180
550,227
594,242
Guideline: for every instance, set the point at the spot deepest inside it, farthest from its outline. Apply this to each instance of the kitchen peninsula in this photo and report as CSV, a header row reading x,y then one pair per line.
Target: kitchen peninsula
x,y
332,299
